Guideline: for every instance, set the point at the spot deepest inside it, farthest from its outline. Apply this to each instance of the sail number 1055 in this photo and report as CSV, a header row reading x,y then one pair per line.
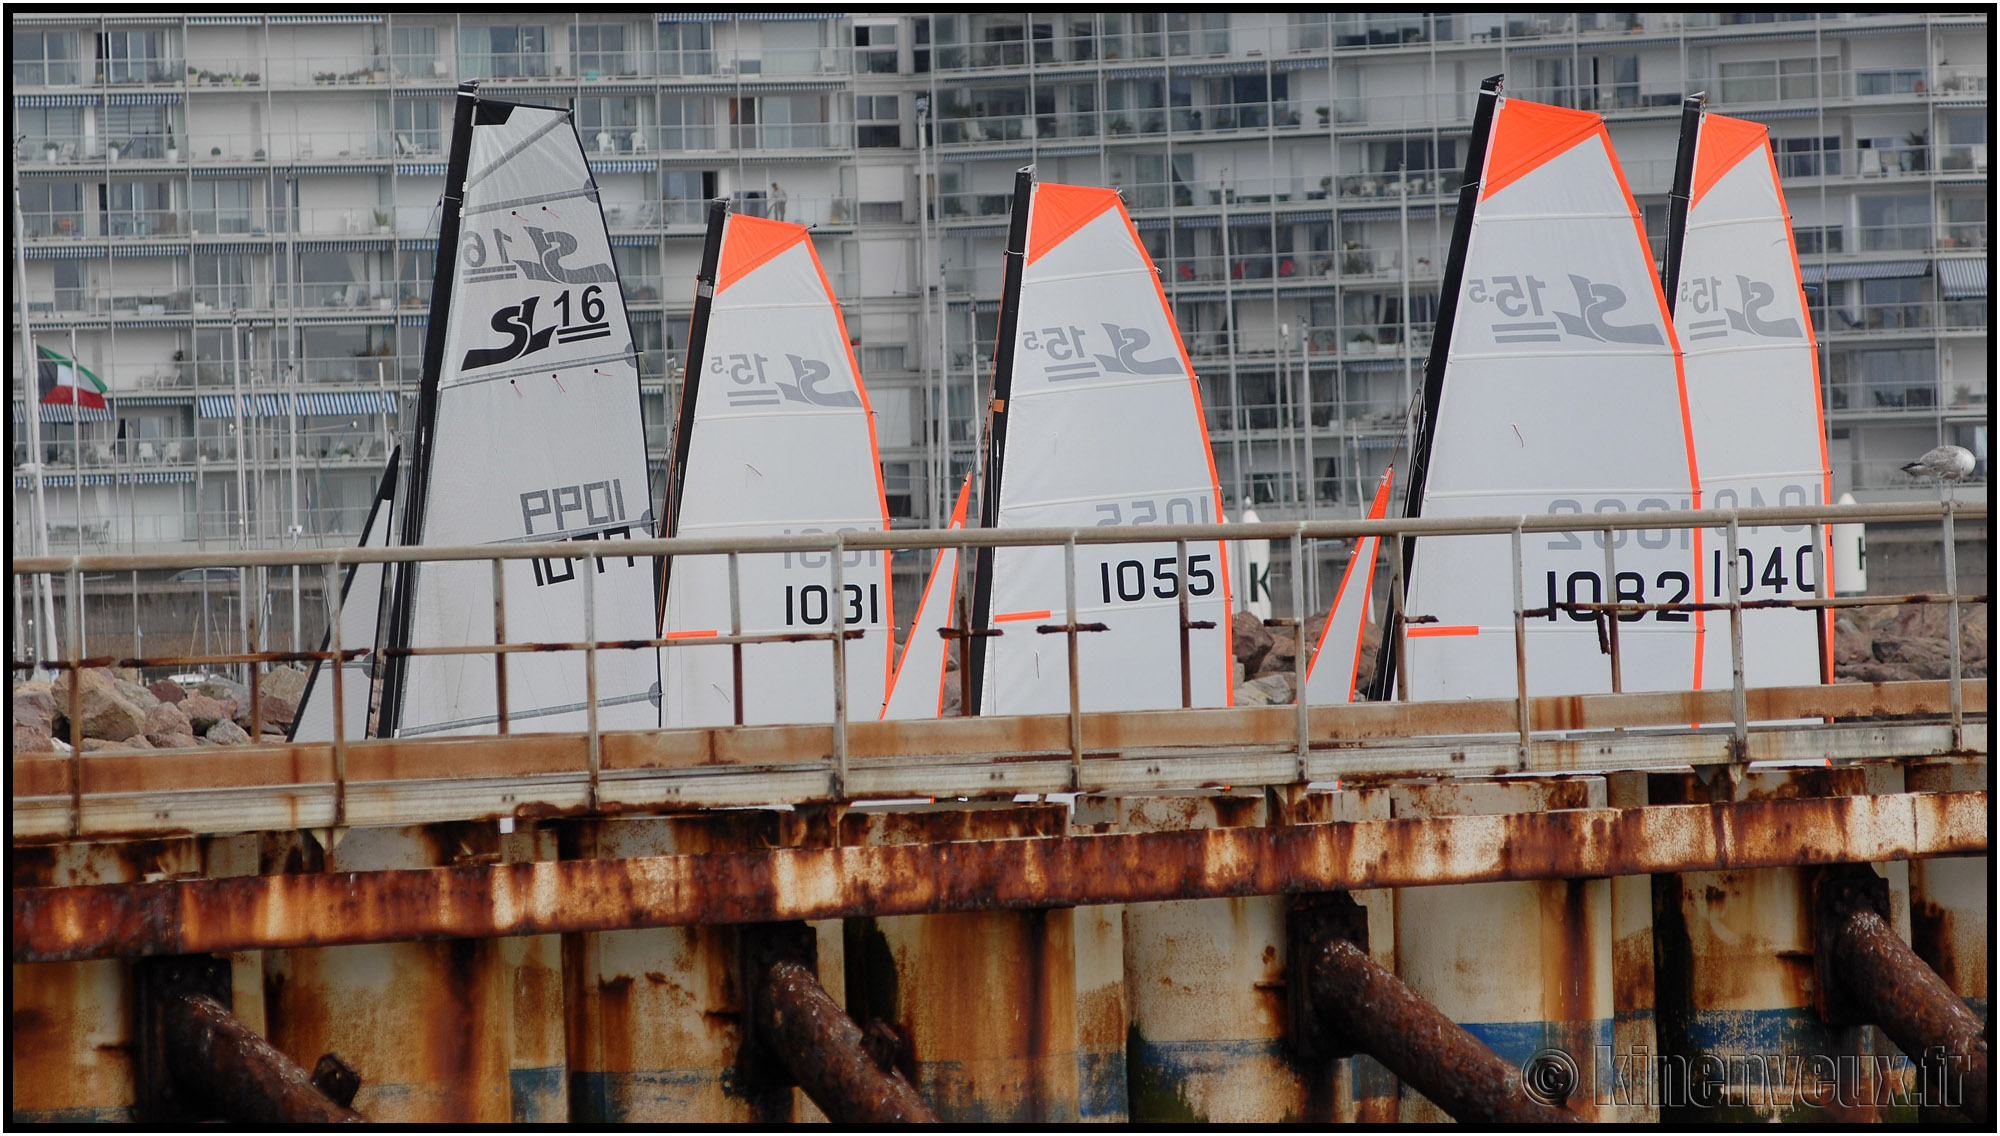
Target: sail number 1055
x,y
1127,580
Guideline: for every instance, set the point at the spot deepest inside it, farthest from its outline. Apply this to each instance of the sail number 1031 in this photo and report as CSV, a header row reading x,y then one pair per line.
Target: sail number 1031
x,y
811,605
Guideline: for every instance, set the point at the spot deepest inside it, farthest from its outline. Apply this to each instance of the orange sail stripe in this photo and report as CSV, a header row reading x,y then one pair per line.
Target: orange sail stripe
x,y
1014,615
692,634
1425,631
752,242
1525,135
1722,143
1060,210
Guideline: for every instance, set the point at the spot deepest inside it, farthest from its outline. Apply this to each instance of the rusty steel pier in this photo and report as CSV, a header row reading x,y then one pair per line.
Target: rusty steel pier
x,y
1537,908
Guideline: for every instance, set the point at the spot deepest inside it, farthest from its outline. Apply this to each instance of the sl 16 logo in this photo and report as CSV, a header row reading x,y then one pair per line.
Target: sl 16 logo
x,y
517,323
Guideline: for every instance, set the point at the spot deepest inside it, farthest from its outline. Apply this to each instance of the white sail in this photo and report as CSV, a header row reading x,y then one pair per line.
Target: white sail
x,y
781,439
1753,398
917,691
536,436
360,615
1330,676
1251,560
1104,427
1561,394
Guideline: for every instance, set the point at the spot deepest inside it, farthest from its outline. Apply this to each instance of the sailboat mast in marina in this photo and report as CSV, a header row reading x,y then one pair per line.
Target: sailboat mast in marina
x,y
1331,675
1733,283
1095,420
775,435
917,689
528,430
1554,386
360,615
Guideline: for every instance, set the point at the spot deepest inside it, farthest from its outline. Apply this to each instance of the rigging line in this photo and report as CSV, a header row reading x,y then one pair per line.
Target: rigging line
x,y
559,119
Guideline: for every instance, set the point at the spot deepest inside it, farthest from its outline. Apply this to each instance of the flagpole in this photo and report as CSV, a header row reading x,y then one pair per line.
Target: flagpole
x,y
31,413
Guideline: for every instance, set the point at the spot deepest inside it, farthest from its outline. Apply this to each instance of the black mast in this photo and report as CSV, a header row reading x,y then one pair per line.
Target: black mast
x,y
402,607
385,494
1677,198
996,428
1383,686
704,300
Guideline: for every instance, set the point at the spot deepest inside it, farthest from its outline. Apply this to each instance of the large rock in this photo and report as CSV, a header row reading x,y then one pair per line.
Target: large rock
x,y
172,741
167,691
104,711
278,712
92,745
1278,660
227,733
1924,657
35,706
287,683
1249,640
136,694
136,741
1852,644
1270,690
32,739
167,718
202,711
223,690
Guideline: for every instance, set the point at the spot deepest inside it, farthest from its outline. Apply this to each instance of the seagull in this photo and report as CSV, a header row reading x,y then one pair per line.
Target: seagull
x,y
1946,463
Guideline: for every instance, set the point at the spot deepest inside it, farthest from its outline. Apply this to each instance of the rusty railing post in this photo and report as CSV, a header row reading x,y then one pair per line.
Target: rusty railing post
x,y
793,1021
1302,725
735,635
330,582
1739,710
1951,588
596,748
837,598
1344,1002
1867,974
499,641
1521,648
1611,539
1075,680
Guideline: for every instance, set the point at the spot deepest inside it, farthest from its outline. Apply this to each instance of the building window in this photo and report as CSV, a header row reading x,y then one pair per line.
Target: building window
x,y
1898,222
137,208
878,121
609,126
1808,157
875,48
222,282
514,51
221,206
47,59
138,57
686,49
418,128
897,479
688,193
414,53
52,134
1889,81
52,208
137,131
685,124
599,49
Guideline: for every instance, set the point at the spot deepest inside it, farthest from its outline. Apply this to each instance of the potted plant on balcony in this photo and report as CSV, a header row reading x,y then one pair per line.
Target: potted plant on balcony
x,y
50,150
1322,113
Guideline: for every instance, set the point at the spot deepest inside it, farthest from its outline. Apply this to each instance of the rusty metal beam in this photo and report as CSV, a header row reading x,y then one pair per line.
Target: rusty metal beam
x,y
416,782
1414,1040
544,897
1879,979
220,1061
824,1050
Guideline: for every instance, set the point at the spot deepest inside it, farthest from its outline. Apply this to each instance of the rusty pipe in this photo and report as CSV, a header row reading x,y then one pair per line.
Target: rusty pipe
x,y
1383,1017
1889,985
217,1059
822,1048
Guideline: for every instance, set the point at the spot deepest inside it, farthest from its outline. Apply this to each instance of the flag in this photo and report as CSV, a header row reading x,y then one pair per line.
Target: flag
x,y
63,381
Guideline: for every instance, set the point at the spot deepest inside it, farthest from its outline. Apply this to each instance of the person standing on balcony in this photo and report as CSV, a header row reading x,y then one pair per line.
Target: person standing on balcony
x,y
777,203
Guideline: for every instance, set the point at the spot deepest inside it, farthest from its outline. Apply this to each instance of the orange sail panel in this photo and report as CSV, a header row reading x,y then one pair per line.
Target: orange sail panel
x,y
1337,658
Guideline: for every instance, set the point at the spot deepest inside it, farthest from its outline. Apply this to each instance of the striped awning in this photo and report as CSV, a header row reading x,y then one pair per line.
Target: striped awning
x,y
643,315
977,231
414,321
341,404
143,98
1308,216
150,323
772,84
420,169
223,21
784,17
1378,442
68,250
1865,270
695,17
1961,278
1774,33
1762,115
349,244
120,401
229,171
327,18
1242,67
1067,151
137,251
64,480
56,100
420,244
633,240
1396,364
1391,213
1136,73
1316,63
65,414
355,168
623,165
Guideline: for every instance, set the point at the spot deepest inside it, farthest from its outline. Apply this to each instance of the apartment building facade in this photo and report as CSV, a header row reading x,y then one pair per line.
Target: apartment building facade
x,y
231,218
